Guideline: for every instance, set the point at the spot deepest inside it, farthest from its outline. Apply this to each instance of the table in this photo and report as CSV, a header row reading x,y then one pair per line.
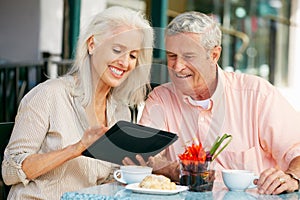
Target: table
x,y
116,191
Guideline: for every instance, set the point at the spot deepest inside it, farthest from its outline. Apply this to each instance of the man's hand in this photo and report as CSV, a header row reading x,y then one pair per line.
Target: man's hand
x,y
275,181
159,165
139,158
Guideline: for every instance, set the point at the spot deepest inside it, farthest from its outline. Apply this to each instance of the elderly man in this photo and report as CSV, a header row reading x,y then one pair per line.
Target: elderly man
x,y
203,102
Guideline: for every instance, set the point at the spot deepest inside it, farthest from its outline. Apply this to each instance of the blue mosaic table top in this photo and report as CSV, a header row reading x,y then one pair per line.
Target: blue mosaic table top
x,y
116,191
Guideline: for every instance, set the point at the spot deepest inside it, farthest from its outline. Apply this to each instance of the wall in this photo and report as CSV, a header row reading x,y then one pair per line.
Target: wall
x,y
19,30
292,92
52,21
51,30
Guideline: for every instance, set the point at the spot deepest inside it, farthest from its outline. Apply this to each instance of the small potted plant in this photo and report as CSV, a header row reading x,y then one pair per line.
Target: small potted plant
x,y
195,170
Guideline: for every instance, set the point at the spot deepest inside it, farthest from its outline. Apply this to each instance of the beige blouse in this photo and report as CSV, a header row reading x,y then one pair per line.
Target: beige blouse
x,y
51,117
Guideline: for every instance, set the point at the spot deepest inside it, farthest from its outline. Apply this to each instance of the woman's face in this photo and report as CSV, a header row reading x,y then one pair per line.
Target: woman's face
x,y
115,57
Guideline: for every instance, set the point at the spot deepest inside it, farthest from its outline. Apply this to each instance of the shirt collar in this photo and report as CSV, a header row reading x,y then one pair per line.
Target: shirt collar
x,y
220,87
189,100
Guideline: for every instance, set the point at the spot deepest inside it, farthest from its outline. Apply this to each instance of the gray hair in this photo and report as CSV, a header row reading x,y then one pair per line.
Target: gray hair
x,y
196,22
133,90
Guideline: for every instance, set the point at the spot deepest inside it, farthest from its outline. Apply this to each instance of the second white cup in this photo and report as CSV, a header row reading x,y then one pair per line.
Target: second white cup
x,y
238,180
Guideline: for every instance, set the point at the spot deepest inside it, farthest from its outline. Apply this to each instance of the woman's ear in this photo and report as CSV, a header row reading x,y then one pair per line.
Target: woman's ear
x,y
90,45
216,53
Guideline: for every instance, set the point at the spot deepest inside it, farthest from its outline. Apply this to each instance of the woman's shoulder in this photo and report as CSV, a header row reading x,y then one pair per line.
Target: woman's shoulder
x,y
59,83
51,87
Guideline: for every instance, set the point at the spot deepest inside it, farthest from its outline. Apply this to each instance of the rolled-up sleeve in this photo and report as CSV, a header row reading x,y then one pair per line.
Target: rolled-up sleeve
x,y
12,168
31,126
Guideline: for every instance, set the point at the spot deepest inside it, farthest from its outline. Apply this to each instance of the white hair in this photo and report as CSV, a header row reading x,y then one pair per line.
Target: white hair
x,y
196,22
133,90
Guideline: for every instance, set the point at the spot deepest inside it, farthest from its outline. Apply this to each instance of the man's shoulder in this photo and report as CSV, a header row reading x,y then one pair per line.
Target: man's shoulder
x,y
163,91
164,88
244,81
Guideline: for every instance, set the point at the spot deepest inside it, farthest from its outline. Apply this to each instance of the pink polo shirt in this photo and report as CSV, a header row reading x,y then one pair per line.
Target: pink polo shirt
x,y
264,126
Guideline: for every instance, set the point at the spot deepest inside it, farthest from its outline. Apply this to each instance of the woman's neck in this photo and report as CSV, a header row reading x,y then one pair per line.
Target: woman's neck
x,y
96,110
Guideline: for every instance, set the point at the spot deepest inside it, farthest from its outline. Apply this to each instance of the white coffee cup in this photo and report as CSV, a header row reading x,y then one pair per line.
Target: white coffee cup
x,y
132,174
238,180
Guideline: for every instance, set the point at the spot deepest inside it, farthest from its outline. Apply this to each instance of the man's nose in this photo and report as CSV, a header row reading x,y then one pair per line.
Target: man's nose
x,y
179,64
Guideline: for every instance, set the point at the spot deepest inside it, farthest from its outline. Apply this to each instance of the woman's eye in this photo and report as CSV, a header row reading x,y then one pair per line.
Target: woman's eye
x,y
133,56
116,50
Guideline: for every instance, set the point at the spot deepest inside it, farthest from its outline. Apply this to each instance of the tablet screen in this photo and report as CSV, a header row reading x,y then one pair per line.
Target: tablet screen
x,y
126,139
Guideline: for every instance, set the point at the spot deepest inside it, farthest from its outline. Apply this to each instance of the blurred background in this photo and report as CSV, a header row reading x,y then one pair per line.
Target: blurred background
x,y
38,39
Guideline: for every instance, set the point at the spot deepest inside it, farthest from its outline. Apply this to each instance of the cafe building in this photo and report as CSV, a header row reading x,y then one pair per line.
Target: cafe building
x,y
38,38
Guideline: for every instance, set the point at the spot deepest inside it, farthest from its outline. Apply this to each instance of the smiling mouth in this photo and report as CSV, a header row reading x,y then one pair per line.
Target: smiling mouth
x,y
182,76
116,71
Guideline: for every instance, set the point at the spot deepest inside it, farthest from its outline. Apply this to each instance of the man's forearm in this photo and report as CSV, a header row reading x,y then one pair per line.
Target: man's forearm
x,y
294,166
294,170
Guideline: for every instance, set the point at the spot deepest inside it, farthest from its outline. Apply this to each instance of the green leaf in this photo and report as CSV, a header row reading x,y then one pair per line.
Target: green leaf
x,y
217,144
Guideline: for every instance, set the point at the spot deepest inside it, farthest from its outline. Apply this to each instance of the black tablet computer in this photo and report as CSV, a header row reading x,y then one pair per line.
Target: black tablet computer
x,y
126,139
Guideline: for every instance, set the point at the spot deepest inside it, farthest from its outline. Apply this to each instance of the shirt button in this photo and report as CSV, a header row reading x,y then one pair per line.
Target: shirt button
x,y
202,119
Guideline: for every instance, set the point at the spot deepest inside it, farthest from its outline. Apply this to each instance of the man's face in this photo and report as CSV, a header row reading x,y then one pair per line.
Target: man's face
x,y
191,67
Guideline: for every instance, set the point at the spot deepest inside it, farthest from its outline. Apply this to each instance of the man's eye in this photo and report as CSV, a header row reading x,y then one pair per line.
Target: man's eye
x,y
188,56
171,56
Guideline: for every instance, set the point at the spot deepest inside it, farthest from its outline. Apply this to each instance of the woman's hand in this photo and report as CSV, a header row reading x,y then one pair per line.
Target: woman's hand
x,y
275,181
90,136
38,164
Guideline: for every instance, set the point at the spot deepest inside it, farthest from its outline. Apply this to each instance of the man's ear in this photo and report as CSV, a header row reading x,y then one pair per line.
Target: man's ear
x,y
90,45
216,53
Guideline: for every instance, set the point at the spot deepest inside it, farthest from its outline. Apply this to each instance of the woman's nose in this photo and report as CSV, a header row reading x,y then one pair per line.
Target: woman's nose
x,y
124,60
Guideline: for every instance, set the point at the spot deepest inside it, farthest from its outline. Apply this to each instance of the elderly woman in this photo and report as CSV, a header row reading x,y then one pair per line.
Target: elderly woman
x,y
60,118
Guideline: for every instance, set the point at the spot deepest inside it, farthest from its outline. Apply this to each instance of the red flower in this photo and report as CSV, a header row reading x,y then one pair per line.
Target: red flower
x,y
194,153
197,153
